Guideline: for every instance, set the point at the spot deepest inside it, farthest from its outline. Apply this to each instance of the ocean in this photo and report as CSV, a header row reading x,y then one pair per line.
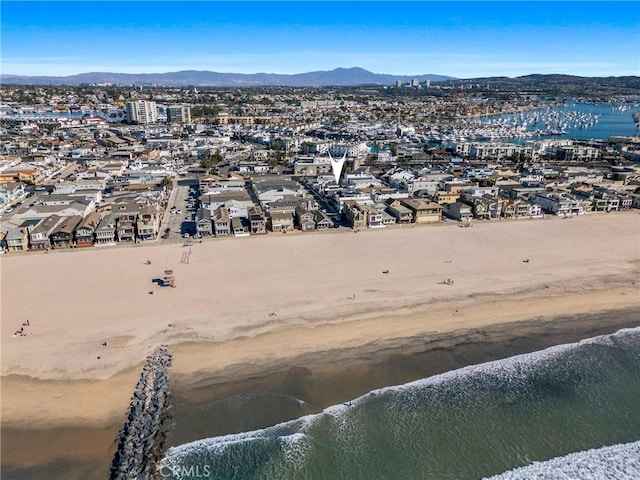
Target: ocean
x,y
484,420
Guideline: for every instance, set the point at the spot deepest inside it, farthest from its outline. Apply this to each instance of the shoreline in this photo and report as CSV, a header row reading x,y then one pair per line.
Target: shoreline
x,y
262,395
271,311
309,383
99,402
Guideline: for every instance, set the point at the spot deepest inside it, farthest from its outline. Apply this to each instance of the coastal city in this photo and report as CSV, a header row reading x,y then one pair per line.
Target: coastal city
x,y
323,240
102,165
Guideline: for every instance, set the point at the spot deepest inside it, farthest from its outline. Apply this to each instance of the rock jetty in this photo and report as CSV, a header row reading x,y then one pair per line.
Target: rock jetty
x,y
142,440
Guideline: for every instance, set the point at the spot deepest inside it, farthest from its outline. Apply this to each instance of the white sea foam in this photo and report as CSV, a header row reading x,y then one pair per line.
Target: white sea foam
x,y
616,462
296,446
508,370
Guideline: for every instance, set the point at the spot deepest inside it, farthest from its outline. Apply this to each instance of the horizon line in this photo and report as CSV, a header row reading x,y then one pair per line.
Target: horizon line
x,y
301,73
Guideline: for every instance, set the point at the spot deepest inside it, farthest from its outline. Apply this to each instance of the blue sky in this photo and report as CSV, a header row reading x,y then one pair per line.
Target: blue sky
x,y
461,39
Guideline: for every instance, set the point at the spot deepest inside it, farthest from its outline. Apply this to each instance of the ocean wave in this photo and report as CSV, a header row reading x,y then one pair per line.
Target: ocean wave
x,y
616,462
417,427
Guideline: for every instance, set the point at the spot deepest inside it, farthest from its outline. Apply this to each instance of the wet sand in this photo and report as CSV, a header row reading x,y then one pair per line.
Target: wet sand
x,y
269,394
313,382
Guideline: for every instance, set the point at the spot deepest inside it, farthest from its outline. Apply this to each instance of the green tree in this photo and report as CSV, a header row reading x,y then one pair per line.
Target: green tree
x,y
167,182
210,161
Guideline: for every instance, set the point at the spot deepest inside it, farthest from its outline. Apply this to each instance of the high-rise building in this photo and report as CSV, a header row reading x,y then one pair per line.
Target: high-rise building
x,y
415,82
398,83
142,111
178,114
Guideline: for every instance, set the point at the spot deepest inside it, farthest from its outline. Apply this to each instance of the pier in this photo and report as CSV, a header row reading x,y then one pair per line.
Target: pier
x,y
142,440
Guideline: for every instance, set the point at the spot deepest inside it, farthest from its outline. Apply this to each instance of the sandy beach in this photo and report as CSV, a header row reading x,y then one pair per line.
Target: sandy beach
x,y
248,305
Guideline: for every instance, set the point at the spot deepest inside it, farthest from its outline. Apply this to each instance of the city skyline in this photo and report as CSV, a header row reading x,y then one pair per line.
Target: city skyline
x,y
459,39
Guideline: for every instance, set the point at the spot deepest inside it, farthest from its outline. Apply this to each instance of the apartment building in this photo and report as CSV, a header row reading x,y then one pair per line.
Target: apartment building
x,y
179,114
142,111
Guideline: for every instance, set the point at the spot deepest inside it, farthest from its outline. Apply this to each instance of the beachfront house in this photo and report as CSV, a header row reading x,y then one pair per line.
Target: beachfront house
x,y
280,222
287,205
322,220
126,231
86,229
39,235
515,208
221,222
257,220
17,239
374,217
147,223
106,230
354,214
559,203
305,219
204,225
483,208
401,213
240,226
459,211
423,211
63,234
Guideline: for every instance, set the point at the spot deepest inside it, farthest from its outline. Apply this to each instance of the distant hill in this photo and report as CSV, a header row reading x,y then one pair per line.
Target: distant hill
x,y
559,86
554,80
337,77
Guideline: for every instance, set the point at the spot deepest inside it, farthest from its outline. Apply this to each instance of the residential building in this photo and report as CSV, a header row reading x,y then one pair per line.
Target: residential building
x,y
305,219
459,211
322,220
577,153
86,229
142,111
485,208
444,198
106,230
126,230
280,222
559,203
148,223
257,220
513,208
374,217
40,233
423,212
63,235
311,165
17,239
240,227
179,114
204,225
401,213
271,190
355,214
221,222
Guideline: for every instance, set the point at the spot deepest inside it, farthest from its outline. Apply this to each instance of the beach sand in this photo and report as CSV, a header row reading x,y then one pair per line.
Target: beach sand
x,y
313,312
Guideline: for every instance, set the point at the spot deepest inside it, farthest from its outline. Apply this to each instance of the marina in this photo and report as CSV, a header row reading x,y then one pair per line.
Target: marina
x,y
578,121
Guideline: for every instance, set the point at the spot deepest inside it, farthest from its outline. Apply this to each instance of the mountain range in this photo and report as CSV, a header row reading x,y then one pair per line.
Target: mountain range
x,y
197,78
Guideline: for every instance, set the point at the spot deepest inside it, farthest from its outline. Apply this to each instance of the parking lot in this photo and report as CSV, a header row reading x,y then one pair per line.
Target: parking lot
x,y
180,219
